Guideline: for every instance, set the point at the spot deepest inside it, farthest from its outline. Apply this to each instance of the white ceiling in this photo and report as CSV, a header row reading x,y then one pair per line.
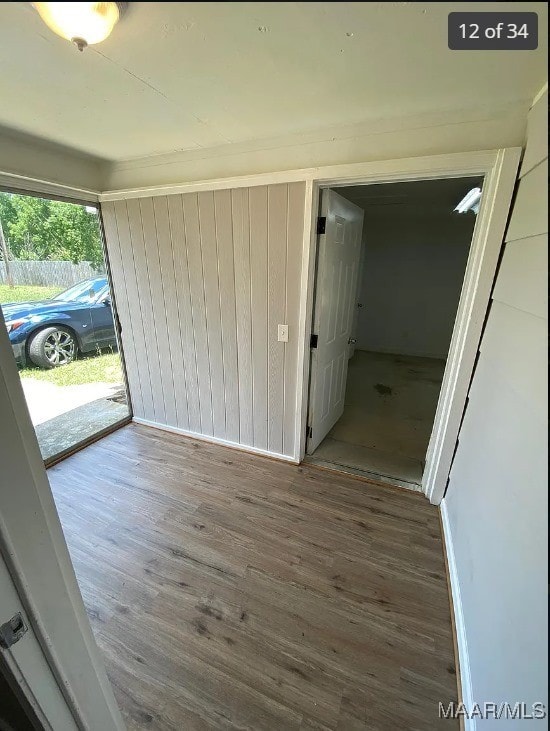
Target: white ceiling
x,y
182,76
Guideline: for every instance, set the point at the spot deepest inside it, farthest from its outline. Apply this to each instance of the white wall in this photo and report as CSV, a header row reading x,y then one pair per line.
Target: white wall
x,y
414,263
495,510
203,281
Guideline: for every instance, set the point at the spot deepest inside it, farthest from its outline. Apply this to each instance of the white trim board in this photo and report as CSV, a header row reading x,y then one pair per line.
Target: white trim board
x,y
499,169
22,184
471,163
474,301
215,440
460,629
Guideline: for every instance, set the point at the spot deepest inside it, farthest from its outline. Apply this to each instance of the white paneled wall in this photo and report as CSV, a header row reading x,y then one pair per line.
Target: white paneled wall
x,y
203,281
496,507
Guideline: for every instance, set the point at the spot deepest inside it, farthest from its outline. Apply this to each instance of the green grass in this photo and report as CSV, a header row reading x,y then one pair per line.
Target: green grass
x,y
105,368
23,293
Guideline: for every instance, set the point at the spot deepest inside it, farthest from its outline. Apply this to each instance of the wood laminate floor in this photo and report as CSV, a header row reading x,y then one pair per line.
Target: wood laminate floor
x,y
228,591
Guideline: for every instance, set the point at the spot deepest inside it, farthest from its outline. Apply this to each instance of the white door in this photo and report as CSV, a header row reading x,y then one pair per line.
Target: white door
x,y
335,301
56,662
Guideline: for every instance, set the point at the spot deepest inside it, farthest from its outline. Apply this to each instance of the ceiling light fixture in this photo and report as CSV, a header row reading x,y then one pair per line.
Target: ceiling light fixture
x,y
81,23
470,202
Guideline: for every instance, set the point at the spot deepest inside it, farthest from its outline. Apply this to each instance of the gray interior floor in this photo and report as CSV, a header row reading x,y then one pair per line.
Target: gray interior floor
x,y
388,417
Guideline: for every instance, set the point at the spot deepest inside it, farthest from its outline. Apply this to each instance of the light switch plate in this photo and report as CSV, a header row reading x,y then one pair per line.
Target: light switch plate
x,y
282,333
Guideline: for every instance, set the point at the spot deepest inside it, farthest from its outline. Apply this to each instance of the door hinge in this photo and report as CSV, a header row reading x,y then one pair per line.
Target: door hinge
x,y
321,224
309,432
12,631
313,341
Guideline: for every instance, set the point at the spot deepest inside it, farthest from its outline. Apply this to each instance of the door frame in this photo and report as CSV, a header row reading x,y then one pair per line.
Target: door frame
x,y
65,194
499,170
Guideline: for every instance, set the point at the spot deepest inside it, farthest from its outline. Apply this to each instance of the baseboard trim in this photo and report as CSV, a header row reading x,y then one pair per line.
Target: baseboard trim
x,y
463,660
217,441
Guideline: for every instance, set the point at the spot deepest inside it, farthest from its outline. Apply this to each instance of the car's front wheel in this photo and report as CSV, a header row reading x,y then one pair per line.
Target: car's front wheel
x,y
52,347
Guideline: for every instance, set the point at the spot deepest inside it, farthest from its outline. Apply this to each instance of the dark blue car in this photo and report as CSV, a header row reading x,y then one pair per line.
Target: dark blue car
x,y
52,332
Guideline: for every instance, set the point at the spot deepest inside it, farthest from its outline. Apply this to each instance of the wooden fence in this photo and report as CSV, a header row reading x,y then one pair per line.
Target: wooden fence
x,y
48,273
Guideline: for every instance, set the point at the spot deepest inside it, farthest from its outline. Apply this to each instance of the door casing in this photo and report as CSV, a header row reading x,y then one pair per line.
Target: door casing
x,y
499,170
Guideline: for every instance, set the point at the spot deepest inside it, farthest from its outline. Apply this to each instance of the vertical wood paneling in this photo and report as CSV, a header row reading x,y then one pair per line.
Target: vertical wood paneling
x,y
295,228
277,209
173,323
138,335
243,306
207,219
158,337
202,282
182,297
196,282
114,235
150,354
259,296
226,276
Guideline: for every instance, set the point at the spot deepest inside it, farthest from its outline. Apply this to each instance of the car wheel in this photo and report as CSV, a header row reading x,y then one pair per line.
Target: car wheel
x,y
52,347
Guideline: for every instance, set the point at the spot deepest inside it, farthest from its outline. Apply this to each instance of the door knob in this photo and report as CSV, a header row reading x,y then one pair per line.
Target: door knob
x,y
352,341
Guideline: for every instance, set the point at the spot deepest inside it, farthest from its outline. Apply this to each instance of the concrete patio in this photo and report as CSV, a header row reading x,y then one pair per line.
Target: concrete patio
x,y
64,416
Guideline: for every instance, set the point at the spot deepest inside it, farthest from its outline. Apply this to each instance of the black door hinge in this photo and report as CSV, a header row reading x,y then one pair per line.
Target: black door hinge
x,y
321,224
313,341
309,431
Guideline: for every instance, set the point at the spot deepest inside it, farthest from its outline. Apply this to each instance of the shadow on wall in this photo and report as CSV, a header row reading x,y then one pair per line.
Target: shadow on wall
x,y
414,264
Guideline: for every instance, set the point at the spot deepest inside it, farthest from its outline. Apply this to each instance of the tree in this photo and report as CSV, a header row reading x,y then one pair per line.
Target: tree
x,y
41,229
5,256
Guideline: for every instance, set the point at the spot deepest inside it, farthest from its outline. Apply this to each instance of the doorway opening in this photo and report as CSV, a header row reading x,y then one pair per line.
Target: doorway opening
x,y
58,308
391,261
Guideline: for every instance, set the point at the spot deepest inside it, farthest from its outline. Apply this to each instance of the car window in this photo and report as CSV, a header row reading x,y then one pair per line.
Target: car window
x,y
83,292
